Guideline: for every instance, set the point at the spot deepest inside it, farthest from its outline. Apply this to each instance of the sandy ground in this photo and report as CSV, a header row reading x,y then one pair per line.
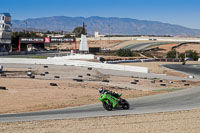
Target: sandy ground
x,y
96,43
171,122
186,47
25,94
110,44
180,49
127,43
165,47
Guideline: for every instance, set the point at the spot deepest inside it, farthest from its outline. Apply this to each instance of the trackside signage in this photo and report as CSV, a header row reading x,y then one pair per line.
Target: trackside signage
x,y
47,40
32,40
61,40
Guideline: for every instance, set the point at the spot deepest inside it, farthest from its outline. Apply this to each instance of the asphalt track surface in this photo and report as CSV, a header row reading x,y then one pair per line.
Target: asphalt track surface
x,y
186,99
142,46
180,100
192,69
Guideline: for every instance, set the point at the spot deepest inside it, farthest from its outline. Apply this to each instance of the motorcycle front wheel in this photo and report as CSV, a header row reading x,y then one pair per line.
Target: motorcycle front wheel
x,y
125,104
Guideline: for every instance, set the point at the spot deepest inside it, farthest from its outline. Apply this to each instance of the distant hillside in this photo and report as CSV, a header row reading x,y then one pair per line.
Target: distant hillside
x,y
111,25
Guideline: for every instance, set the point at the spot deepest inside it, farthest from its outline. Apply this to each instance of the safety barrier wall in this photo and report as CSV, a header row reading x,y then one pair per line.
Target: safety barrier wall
x,y
75,63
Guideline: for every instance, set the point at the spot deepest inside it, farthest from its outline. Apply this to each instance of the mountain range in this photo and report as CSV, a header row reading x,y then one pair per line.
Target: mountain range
x,y
106,25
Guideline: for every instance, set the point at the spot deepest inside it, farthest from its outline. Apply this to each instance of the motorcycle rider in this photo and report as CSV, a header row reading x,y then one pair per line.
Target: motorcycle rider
x,y
102,90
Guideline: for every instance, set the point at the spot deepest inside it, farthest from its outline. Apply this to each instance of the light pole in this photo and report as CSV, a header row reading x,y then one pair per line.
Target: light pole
x,y
25,25
109,33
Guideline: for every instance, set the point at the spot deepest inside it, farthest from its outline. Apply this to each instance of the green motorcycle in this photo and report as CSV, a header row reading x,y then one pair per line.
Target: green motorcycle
x,y
110,102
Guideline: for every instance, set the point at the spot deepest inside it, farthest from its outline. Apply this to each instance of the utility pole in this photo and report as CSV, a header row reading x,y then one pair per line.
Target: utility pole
x,y
25,25
109,32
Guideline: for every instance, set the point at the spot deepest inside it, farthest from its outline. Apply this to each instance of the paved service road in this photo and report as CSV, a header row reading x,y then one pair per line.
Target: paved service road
x,y
173,101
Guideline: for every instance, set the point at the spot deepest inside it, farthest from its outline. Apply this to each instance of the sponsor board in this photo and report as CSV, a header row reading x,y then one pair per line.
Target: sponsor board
x,y
46,40
61,40
32,40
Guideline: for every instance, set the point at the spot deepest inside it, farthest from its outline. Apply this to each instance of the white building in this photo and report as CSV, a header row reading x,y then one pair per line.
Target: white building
x,y
5,31
97,35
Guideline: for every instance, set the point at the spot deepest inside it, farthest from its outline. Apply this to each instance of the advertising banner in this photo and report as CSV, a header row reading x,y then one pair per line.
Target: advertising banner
x,y
61,40
31,40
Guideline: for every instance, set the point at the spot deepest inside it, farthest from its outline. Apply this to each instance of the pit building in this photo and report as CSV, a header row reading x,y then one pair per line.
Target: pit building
x,y
5,32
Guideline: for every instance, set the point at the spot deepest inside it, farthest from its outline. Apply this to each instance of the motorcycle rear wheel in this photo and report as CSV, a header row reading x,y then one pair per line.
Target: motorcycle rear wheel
x,y
107,107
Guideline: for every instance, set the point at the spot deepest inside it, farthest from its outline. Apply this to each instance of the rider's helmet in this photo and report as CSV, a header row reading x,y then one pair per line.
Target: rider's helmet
x,y
101,89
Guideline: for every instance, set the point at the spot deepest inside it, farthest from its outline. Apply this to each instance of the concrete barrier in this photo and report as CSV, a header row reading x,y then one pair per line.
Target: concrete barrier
x,y
75,56
61,61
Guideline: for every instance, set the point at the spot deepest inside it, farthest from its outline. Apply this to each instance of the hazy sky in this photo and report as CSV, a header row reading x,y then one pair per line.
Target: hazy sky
x,y
182,12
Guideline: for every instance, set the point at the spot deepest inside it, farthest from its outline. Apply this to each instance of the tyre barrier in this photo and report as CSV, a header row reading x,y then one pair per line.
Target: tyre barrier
x,y
3,75
57,77
29,73
3,88
162,84
32,76
186,84
161,81
45,66
105,81
46,72
42,74
80,76
78,80
136,80
53,84
88,74
191,76
89,68
134,83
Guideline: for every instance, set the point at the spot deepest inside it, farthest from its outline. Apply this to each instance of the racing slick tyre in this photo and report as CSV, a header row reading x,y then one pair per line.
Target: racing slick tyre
x,y
107,107
125,104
